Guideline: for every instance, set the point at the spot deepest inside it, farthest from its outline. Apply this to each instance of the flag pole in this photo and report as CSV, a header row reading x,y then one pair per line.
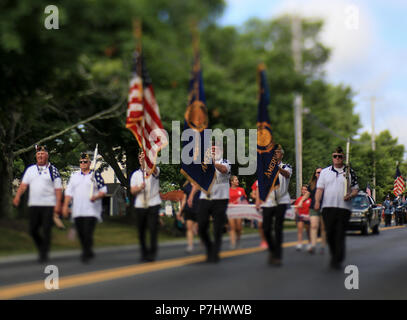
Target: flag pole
x,y
196,67
296,47
137,32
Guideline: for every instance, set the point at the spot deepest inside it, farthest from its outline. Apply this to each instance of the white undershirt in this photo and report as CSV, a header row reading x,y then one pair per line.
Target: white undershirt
x,y
333,184
220,188
78,188
151,190
280,195
42,188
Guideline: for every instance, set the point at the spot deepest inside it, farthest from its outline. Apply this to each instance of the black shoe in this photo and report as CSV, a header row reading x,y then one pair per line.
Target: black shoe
x,y
43,257
212,257
270,258
276,262
336,265
85,258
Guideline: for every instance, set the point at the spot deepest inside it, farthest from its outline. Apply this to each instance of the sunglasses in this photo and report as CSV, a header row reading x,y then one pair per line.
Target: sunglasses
x,y
317,172
83,161
337,156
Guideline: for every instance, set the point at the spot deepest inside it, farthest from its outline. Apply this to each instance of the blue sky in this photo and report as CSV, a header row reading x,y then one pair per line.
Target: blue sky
x,y
370,57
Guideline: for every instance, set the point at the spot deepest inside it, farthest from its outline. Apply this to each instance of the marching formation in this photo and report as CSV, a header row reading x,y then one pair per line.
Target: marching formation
x,y
323,206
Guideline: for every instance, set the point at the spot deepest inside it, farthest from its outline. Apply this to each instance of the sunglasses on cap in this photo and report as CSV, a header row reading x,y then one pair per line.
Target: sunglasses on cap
x,y
40,148
337,156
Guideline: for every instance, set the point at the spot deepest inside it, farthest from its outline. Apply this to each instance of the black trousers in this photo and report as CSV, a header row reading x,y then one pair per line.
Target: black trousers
x,y
85,226
41,218
336,221
273,219
387,219
148,219
399,218
216,209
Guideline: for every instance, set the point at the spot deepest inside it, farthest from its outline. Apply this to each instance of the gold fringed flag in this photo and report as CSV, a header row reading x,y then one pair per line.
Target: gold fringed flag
x,y
267,164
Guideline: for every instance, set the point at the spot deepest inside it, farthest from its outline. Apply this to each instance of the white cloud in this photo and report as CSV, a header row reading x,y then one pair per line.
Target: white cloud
x,y
348,29
360,59
397,127
368,58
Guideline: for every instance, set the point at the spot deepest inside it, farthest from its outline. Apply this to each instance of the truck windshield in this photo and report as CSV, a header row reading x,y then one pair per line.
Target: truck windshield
x,y
360,202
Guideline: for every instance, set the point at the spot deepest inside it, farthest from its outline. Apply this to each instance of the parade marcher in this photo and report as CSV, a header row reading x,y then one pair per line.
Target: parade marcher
x,y
44,199
315,215
398,208
255,195
86,204
237,195
215,205
189,215
388,211
147,203
302,217
336,207
274,209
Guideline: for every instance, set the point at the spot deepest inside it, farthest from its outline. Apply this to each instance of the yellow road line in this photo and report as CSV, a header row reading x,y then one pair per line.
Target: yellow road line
x,y
24,289
31,288
391,228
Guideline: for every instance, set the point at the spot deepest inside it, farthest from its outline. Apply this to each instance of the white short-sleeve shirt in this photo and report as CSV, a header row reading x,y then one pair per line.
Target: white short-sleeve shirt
x,y
42,187
78,188
220,188
280,195
151,190
332,180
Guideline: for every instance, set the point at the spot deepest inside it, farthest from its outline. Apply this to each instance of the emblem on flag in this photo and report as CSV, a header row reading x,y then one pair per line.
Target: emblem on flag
x,y
196,118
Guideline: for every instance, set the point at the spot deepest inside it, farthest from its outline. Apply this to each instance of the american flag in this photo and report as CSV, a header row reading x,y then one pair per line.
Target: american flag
x,y
143,114
399,184
368,190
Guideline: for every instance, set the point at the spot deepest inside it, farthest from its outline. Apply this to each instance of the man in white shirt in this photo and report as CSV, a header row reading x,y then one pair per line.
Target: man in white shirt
x,y
85,188
336,206
44,199
147,203
215,205
274,210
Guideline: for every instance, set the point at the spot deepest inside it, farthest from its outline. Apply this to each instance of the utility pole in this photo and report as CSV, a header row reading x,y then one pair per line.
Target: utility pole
x,y
373,99
296,46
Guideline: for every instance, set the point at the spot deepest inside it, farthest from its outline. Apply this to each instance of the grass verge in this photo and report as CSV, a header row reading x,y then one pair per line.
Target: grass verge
x,y
114,231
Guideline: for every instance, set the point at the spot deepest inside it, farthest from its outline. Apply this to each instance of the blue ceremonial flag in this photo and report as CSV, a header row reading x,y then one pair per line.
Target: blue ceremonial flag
x,y
267,165
200,171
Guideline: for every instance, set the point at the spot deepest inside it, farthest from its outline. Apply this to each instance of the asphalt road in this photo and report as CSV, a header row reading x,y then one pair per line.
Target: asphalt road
x,y
381,261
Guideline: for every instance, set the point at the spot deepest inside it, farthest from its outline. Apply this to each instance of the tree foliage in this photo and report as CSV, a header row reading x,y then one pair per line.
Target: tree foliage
x,y
53,79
